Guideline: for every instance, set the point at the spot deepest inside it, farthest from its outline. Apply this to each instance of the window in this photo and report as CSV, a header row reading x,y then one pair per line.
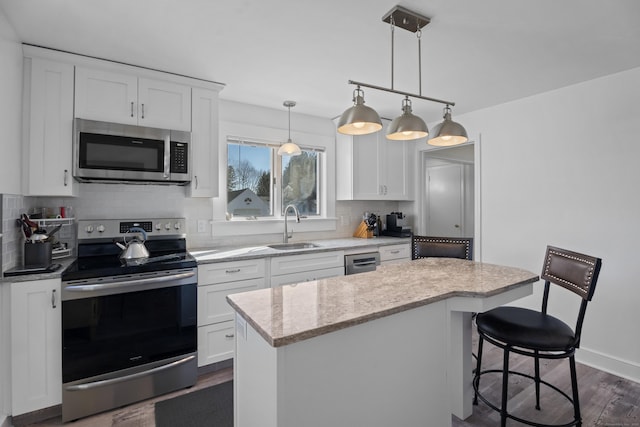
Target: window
x,y
260,183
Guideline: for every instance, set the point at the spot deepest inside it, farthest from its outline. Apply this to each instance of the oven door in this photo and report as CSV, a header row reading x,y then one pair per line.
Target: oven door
x,y
126,322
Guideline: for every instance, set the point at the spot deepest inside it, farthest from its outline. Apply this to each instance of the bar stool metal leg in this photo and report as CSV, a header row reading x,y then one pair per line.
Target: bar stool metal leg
x,y
477,375
574,388
537,378
505,384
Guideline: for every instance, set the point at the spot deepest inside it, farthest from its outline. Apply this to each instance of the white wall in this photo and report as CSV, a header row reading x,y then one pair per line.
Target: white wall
x,y
10,107
560,169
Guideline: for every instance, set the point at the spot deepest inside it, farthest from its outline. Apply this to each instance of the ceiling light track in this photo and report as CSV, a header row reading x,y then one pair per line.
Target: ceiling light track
x,y
400,92
361,120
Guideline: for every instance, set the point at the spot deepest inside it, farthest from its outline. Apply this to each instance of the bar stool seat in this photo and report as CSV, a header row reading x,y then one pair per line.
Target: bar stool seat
x,y
527,328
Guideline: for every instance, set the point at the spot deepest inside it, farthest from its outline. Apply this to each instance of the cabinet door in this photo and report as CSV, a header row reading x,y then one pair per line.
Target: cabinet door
x,y
306,262
306,276
396,171
212,299
164,105
204,143
49,128
367,179
216,343
36,345
106,96
395,253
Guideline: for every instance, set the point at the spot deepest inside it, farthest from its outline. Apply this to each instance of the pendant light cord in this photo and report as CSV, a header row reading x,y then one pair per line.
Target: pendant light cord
x,y
392,24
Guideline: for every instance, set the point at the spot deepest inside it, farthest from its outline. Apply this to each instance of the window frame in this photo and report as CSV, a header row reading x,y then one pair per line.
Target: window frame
x,y
257,123
276,163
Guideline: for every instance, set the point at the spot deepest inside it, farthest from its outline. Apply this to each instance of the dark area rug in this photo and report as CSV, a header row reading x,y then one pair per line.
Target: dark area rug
x,y
208,407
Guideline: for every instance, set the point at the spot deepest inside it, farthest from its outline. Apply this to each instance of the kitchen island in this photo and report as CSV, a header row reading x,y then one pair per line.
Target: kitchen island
x,y
389,347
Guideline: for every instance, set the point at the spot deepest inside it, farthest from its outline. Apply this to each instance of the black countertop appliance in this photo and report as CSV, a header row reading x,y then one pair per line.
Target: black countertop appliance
x,y
395,227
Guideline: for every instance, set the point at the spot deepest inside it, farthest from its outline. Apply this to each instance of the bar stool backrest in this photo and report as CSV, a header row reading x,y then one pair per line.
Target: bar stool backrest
x,y
449,247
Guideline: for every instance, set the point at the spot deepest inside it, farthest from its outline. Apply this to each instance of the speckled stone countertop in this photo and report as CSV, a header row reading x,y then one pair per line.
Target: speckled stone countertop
x,y
288,314
236,253
64,263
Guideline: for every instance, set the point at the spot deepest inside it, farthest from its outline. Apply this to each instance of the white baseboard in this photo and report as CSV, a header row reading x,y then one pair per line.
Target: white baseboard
x,y
613,365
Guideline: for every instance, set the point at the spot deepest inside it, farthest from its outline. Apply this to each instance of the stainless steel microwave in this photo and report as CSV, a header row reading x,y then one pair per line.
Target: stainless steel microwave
x,y
113,152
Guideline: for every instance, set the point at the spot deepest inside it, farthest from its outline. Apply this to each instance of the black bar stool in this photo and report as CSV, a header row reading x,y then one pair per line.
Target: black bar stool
x,y
537,334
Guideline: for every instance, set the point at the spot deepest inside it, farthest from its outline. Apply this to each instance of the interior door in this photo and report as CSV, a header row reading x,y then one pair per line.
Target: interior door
x,y
445,200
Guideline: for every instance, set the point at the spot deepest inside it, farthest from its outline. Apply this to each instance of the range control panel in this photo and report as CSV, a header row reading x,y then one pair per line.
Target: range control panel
x,y
113,228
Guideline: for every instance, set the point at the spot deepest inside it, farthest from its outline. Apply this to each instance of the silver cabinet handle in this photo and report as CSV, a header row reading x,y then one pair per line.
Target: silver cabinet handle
x,y
397,251
53,298
143,111
196,179
235,270
229,335
66,177
131,108
385,189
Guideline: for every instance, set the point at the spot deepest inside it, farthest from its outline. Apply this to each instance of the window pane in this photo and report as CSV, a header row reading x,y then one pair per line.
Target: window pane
x,y
300,182
248,180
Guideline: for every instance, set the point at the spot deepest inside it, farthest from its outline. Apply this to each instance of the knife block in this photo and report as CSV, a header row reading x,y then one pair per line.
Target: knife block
x,y
362,231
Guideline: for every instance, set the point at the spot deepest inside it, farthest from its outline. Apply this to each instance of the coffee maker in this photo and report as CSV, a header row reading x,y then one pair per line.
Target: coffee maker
x,y
395,226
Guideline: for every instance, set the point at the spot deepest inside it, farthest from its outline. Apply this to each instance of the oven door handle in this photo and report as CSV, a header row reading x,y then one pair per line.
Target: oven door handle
x,y
129,282
102,383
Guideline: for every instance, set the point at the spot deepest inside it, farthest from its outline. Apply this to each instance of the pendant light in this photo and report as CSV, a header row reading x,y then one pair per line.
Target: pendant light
x,y
289,148
448,132
408,126
359,119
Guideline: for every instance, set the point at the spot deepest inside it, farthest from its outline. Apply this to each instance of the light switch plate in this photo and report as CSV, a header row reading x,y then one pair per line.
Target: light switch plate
x,y
202,226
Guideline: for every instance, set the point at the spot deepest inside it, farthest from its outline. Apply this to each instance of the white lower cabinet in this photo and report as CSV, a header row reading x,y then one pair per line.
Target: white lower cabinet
x,y
36,345
395,253
306,267
216,341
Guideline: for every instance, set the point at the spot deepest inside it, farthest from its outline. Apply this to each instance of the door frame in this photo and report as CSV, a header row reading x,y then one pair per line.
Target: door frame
x,y
477,193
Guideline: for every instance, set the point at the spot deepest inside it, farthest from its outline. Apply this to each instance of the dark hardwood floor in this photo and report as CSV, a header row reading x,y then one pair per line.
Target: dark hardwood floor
x,y
606,400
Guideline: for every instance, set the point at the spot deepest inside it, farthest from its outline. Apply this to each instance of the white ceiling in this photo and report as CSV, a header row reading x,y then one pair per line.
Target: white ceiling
x,y
475,53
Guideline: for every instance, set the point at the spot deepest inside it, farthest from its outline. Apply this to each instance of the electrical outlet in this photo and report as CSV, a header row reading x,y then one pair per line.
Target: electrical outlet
x,y
202,226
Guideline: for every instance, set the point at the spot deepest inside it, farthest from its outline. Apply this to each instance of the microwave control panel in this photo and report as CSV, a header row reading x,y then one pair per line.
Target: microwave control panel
x,y
179,157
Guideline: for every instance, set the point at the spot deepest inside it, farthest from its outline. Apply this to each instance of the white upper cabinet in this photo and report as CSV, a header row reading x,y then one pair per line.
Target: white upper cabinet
x,y
122,98
371,167
47,128
204,143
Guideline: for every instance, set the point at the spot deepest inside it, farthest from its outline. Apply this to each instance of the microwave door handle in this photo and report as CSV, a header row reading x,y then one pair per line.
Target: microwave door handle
x,y
167,153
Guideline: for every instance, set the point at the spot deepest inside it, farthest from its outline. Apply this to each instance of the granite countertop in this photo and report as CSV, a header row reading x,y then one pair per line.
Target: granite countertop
x,y
236,253
288,314
64,263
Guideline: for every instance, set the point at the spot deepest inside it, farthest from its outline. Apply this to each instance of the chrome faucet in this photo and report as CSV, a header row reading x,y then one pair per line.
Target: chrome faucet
x,y
286,236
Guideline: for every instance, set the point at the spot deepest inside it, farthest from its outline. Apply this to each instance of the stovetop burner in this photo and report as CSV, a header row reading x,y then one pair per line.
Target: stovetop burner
x,y
100,257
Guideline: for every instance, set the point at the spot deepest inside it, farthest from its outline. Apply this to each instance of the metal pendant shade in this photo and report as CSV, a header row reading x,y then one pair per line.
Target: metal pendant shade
x,y
408,126
448,132
289,148
359,119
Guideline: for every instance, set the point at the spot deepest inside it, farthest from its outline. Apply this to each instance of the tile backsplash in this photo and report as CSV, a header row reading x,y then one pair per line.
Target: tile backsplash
x,y
12,239
97,201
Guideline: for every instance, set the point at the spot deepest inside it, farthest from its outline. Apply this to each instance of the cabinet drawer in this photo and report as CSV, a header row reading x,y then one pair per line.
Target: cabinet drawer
x,y
395,252
212,302
306,276
223,272
306,262
216,343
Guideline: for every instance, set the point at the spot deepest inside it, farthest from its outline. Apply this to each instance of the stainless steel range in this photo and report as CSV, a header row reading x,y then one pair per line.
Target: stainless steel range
x,y
129,329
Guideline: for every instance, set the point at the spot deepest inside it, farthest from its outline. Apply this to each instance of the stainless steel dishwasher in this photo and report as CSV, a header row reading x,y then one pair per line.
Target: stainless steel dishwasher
x,y
360,263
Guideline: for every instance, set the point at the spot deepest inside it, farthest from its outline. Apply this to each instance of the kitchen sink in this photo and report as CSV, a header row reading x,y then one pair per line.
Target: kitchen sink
x,y
292,246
